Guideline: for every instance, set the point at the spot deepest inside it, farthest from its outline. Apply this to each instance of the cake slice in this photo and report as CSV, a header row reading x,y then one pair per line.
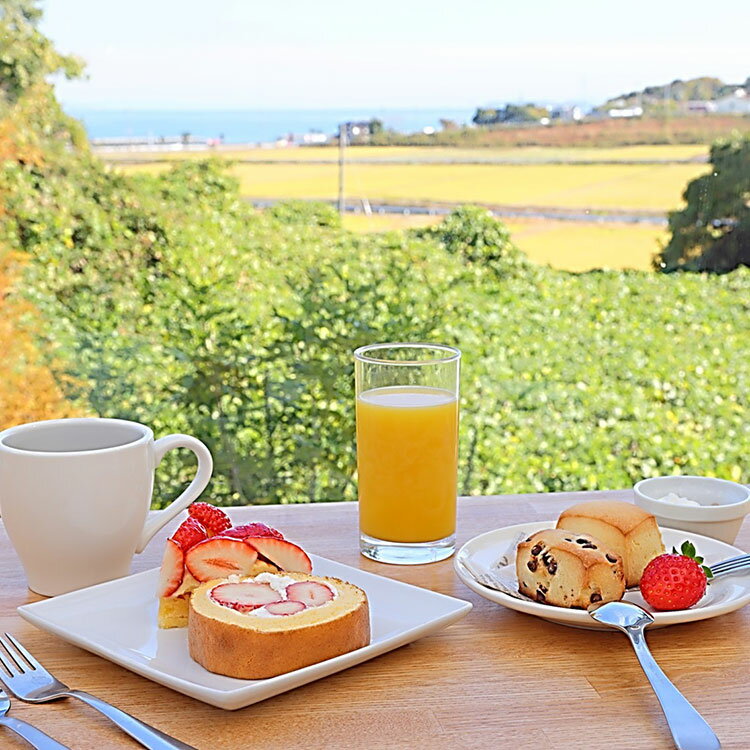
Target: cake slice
x,y
556,567
626,529
206,546
266,625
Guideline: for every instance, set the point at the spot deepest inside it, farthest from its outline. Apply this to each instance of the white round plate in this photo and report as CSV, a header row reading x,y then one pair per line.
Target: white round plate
x,y
724,595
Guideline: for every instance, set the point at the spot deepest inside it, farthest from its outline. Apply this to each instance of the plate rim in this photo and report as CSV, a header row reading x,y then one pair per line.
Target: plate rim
x,y
576,617
251,691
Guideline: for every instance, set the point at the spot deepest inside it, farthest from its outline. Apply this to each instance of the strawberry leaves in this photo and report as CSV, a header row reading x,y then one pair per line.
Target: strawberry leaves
x,y
688,550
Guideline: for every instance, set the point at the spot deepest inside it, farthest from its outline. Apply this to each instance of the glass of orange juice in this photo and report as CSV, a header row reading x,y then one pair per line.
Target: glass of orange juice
x,y
407,451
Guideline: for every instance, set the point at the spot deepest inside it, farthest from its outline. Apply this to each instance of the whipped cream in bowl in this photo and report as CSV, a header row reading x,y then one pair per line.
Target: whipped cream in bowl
x,y
673,497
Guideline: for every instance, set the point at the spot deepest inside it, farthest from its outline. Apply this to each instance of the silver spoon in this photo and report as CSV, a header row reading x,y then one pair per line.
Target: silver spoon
x,y
689,729
35,737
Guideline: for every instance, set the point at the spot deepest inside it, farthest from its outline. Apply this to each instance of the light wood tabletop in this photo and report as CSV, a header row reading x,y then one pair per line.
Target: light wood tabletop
x,y
495,679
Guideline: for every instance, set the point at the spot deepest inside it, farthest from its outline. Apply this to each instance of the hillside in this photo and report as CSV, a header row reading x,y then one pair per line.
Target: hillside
x,y
678,91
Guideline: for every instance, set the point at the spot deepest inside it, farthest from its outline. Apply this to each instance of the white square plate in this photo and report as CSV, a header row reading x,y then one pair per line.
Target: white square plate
x,y
117,620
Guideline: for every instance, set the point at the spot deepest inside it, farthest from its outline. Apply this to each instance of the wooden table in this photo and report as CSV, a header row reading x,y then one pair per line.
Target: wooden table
x,y
496,679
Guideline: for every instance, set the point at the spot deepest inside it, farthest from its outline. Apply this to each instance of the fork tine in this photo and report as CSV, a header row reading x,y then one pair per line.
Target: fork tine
x,y
8,661
733,566
32,662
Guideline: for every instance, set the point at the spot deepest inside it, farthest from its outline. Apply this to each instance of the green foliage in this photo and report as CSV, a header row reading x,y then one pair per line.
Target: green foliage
x,y
474,235
29,112
511,113
206,317
314,213
712,232
27,56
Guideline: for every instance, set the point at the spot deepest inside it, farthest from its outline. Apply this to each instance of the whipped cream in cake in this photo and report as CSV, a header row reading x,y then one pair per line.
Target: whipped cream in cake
x,y
272,595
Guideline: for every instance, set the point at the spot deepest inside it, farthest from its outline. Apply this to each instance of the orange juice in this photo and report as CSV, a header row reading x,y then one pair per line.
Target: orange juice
x,y
407,453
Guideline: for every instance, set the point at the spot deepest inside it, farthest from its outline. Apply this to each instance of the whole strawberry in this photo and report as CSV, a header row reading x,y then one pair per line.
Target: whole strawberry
x,y
675,580
214,520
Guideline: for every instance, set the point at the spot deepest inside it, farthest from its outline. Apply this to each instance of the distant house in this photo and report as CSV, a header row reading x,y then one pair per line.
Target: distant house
x,y
566,114
700,107
358,131
736,103
625,112
313,138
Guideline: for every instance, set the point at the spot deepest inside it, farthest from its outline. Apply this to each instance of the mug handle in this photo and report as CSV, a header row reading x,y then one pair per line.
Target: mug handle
x,y
193,490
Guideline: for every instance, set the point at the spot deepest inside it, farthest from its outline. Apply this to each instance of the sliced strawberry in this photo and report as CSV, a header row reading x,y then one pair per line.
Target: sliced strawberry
x,y
190,532
172,569
281,553
245,596
310,593
219,557
285,608
214,519
252,529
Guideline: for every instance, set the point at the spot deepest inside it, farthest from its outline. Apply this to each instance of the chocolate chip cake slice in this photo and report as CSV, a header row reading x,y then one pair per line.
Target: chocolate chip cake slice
x,y
556,567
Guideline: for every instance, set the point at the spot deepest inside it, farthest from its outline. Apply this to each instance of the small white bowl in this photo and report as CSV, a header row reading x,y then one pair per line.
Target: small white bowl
x,y
723,505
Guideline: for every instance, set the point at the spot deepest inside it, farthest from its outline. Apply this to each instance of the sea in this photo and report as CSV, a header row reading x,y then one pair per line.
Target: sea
x,y
252,126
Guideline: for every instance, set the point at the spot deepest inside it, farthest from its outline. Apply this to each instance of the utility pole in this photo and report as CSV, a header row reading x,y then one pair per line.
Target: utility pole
x,y
342,153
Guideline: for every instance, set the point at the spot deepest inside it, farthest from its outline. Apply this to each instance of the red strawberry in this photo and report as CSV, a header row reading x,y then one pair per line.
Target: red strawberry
x,y
219,557
190,532
673,580
281,553
310,593
172,569
214,519
285,608
252,529
245,596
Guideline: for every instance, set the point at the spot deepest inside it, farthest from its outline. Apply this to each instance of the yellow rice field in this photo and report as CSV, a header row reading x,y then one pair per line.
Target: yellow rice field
x,y
606,187
566,245
426,154
569,246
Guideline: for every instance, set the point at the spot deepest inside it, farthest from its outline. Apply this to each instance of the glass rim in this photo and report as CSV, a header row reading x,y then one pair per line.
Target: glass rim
x,y
452,354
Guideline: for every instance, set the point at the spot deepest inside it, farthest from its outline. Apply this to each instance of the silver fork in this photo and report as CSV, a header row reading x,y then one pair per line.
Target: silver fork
x,y
31,682
35,737
731,566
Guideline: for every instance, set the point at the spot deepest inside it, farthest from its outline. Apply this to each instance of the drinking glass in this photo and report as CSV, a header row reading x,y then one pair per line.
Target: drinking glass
x,y
407,450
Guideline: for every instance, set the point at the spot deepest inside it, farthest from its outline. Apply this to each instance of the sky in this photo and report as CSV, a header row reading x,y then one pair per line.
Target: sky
x,y
324,54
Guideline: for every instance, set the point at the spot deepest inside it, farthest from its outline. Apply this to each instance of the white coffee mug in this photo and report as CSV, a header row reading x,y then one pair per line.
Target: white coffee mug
x,y
75,497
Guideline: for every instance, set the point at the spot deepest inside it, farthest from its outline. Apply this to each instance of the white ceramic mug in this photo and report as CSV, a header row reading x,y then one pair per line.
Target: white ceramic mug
x,y
75,497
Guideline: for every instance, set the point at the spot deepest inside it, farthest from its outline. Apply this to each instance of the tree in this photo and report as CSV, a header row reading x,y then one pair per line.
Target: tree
x,y
376,126
712,232
511,113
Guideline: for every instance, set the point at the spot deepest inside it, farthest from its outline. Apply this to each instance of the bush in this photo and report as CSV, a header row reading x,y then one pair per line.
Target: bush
x,y
712,232
314,213
473,234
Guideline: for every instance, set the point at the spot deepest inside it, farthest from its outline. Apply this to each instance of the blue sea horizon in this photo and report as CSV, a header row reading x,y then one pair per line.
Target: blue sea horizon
x,y
252,126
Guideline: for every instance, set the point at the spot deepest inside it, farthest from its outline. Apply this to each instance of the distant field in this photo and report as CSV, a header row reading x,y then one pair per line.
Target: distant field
x,y
568,246
427,153
595,187
650,188
656,188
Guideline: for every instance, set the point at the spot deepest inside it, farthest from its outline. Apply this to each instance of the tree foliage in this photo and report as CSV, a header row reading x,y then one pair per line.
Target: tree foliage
x,y
712,232
509,114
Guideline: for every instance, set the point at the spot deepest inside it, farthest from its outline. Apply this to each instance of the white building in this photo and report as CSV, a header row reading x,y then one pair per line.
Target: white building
x,y
736,103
